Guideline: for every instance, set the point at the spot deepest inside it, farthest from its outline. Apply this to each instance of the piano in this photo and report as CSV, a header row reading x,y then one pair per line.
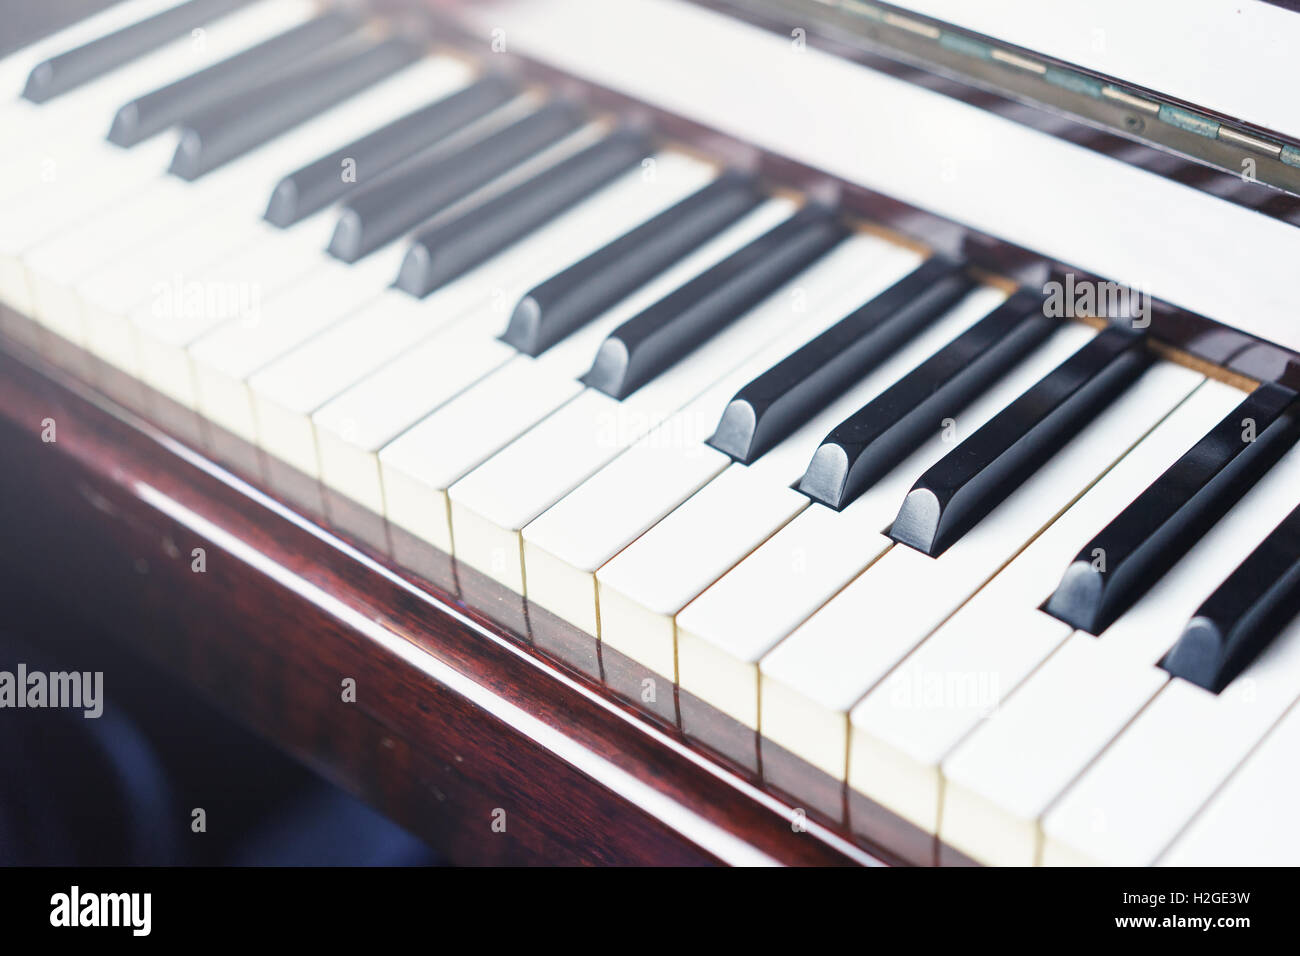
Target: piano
x,y
746,432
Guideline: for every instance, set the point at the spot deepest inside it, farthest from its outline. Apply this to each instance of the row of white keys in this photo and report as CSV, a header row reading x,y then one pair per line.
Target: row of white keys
x,y
1002,779
288,391
1251,820
647,584
428,460
222,361
491,505
812,679
903,729
353,427
191,226
724,633
570,541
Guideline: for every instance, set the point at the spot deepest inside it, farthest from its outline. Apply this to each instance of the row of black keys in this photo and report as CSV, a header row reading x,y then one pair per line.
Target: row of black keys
x,y
233,106
1141,544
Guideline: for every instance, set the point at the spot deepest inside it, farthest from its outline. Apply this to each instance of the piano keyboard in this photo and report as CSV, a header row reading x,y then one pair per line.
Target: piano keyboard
x,y
1020,580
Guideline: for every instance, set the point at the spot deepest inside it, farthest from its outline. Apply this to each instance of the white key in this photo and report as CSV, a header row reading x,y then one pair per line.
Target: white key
x,y
814,677
56,204
646,585
564,547
287,391
351,428
205,287
182,309
1005,776
641,590
157,279
996,822
417,468
394,398
185,227
223,361
1149,784
1251,821
569,446
902,730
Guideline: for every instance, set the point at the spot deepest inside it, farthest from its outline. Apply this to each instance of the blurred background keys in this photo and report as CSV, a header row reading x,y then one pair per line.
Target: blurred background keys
x,y
238,124
316,185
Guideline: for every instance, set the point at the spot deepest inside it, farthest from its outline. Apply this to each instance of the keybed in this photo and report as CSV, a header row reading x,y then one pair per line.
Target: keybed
x,y
982,565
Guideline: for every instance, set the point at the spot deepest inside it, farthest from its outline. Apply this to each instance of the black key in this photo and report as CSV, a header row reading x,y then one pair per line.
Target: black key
x,y
396,203
25,22
237,124
1244,615
78,66
973,478
1117,567
777,402
453,247
655,339
864,447
153,112
316,185
572,298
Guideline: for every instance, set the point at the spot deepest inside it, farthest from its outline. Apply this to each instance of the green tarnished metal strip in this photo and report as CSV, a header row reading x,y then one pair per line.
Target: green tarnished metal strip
x,y
1085,85
1192,122
961,44
1075,82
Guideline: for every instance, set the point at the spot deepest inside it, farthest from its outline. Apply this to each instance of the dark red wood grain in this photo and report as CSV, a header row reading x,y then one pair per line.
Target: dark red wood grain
x,y
456,716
